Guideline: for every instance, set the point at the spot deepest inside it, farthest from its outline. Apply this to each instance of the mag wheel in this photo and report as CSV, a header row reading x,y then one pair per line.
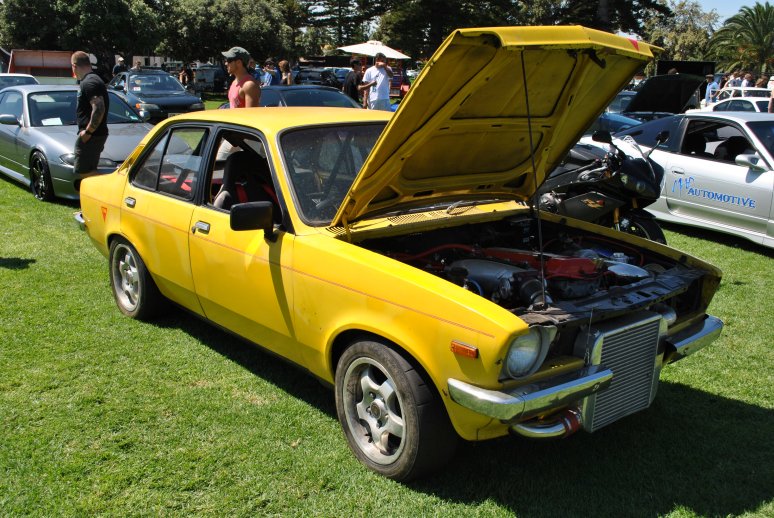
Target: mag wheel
x,y
133,288
40,177
647,228
393,420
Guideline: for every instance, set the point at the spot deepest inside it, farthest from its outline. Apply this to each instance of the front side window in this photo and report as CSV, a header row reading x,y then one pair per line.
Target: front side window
x,y
174,164
12,105
322,163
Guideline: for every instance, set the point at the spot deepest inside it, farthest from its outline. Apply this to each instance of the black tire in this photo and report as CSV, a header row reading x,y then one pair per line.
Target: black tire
x,y
137,296
40,177
414,432
643,227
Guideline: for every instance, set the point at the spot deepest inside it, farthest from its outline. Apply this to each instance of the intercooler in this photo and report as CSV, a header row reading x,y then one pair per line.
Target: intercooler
x,y
628,347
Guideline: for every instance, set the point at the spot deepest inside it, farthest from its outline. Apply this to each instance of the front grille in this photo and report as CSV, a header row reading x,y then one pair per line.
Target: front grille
x,y
630,351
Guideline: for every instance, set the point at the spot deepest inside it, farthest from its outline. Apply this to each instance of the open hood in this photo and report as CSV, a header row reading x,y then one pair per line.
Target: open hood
x,y
465,127
668,93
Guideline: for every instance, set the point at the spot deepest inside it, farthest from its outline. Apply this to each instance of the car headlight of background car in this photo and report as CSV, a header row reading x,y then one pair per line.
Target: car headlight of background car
x,y
527,352
147,106
69,159
196,106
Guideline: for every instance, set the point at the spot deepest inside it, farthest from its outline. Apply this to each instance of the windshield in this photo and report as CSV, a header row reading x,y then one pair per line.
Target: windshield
x,y
317,97
155,83
764,130
322,163
58,109
16,80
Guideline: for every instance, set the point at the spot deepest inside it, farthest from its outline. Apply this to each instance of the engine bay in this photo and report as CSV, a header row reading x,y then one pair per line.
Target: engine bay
x,y
576,277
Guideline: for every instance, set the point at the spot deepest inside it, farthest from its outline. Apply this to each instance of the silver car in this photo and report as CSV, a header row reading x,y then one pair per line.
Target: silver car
x,y
38,132
718,171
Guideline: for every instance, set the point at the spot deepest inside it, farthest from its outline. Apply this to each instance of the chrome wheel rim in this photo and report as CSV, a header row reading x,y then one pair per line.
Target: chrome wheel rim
x,y
126,277
373,410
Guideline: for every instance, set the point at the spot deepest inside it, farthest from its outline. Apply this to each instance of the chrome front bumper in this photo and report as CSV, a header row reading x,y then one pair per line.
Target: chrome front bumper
x,y
527,401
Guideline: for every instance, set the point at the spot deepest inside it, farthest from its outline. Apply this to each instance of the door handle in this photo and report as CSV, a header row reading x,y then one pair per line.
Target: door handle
x,y
130,202
678,170
202,227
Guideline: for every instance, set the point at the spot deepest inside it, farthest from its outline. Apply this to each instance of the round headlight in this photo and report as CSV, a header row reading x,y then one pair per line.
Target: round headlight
x,y
527,352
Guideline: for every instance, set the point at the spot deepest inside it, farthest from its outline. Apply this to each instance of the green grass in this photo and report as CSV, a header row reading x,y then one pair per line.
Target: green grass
x,y
100,414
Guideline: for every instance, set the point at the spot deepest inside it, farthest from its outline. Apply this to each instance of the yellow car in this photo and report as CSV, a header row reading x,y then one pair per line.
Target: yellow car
x,y
401,259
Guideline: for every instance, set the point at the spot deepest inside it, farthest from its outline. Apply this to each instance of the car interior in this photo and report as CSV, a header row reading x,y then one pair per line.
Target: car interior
x,y
714,141
241,173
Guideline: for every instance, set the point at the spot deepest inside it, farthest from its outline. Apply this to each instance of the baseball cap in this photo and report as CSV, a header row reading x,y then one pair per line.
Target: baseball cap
x,y
237,53
121,59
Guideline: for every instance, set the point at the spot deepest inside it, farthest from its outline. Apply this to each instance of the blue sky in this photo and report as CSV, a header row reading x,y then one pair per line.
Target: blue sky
x,y
726,8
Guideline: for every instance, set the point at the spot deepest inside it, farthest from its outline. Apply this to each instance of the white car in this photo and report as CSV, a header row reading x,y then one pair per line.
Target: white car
x,y
737,104
729,92
718,171
16,79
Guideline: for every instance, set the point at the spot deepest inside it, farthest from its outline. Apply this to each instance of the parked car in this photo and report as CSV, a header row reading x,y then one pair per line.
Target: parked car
x,y
729,92
340,73
396,257
302,95
38,132
16,79
719,171
317,76
655,97
737,104
305,95
155,94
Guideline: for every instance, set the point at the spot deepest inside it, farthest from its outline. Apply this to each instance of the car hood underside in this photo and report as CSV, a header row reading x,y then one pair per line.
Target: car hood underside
x,y
492,111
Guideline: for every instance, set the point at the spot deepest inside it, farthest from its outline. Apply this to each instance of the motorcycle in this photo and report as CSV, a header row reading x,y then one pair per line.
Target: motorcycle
x,y
611,188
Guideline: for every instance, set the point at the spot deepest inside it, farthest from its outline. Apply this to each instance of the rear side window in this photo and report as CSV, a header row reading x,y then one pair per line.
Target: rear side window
x,y
174,165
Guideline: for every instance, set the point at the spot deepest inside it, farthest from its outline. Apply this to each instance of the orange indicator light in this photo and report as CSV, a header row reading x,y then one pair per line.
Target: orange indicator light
x,y
464,349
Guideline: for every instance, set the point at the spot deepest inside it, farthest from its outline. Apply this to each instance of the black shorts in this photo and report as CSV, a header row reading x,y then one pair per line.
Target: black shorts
x,y
87,153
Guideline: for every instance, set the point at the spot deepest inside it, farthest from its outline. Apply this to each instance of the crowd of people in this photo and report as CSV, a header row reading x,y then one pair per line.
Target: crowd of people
x,y
736,78
369,87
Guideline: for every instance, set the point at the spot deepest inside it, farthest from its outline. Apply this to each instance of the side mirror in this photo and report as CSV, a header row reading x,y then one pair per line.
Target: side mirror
x,y
602,136
9,120
254,215
753,161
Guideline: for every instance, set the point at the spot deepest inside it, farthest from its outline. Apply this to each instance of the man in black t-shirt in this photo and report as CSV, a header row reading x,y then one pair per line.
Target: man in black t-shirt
x,y
91,114
352,81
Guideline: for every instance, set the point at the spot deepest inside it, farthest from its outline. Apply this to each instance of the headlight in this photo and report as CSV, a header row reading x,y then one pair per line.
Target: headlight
x,y
105,162
197,106
527,352
68,159
147,106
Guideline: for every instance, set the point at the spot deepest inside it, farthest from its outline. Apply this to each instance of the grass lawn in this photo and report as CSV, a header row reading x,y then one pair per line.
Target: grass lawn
x,y
100,414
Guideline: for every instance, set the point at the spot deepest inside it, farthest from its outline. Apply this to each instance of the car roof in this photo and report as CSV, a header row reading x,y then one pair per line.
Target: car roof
x,y
299,87
276,119
741,117
43,88
14,74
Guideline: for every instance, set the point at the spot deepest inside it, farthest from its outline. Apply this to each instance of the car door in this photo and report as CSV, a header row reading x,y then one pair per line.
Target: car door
x,y
715,190
243,278
11,104
158,204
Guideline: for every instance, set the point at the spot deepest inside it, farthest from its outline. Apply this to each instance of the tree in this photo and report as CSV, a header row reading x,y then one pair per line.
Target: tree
x,y
419,26
746,40
102,27
202,29
685,34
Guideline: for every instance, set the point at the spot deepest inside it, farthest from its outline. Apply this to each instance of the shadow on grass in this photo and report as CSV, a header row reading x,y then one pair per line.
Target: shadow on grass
x,y
691,449
15,263
713,236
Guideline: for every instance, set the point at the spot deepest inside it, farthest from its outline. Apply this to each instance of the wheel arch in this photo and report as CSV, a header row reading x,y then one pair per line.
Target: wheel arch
x,y
348,337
